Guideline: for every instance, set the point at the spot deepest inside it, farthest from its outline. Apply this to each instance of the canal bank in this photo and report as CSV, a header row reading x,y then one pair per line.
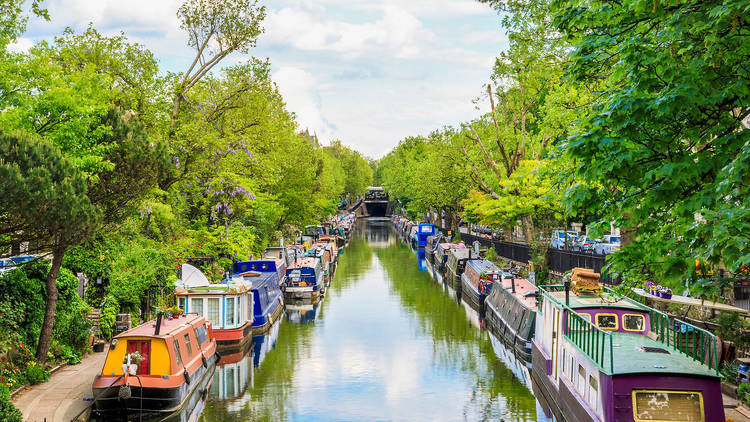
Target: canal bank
x,y
386,343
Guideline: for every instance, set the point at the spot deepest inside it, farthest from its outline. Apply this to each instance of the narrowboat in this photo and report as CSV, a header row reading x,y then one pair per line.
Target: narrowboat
x,y
424,230
455,265
440,256
154,368
306,278
227,305
510,314
279,255
477,281
429,249
601,357
267,295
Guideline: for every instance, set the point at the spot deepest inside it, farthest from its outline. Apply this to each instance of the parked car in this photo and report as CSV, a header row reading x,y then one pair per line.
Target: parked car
x,y
558,239
583,244
608,245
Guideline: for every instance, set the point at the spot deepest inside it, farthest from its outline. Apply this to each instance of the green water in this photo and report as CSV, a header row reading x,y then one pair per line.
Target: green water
x,y
386,343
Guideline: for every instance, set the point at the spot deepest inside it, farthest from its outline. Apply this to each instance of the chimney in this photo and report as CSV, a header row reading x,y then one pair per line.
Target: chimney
x,y
158,324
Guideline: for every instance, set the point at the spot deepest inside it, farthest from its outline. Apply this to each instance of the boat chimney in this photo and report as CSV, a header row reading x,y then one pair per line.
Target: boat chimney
x,y
567,292
513,284
158,324
476,247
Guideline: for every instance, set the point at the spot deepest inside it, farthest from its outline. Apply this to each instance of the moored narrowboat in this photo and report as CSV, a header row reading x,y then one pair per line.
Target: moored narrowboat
x,y
429,249
267,295
510,314
455,265
440,256
476,282
601,357
228,305
280,256
305,279
155,367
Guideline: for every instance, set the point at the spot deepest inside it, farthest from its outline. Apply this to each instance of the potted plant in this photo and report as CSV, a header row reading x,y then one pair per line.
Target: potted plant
x,y
131,362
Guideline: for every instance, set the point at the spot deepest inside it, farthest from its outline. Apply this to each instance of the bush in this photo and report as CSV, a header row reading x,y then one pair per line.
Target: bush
x,y
743,392
35,374
8,412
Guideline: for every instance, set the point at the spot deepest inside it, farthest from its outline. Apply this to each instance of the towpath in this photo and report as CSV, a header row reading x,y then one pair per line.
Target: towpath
x,y
67,392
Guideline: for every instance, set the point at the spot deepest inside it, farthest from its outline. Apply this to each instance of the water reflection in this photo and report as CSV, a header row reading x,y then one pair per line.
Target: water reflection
x,y
302,311
389,344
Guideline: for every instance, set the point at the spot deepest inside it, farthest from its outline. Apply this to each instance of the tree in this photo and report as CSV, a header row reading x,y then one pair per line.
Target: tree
x,y
664,153
44,202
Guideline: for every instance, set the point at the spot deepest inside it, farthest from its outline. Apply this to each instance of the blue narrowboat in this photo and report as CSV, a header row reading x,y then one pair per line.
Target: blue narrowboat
x,y
476,282
267,295
424,231
306,278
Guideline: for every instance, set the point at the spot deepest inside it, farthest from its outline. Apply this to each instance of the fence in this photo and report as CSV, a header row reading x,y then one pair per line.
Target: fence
x,y
559,260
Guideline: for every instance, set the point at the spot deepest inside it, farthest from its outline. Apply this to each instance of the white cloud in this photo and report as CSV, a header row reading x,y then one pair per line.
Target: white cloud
x,y
20,45
299,89
396,33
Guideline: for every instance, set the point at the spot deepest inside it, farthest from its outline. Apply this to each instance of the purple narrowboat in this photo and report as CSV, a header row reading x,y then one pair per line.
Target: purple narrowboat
x,y
600,357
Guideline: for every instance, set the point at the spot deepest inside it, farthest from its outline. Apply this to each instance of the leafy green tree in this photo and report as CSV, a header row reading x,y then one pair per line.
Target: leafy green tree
x,y
45,202
664,153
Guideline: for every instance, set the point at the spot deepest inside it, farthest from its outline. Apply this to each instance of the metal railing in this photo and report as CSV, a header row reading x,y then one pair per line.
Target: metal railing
x,y
696,343
592,341
589,339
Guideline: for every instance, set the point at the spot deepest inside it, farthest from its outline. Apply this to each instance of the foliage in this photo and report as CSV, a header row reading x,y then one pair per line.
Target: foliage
x,y
35,373
8,411
743,391
108,316
732,328
663,152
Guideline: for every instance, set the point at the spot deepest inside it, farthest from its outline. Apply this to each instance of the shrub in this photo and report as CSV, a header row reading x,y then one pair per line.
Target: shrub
x,y
35,374
743,392
8,412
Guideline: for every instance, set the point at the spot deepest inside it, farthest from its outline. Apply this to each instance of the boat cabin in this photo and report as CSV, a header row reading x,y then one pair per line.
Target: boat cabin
x,y
424,231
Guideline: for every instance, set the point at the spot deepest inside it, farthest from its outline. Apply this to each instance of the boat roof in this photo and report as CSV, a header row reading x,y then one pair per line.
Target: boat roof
x,y
630,355
307,261
460,252
523,288
262,279
169,327
483,266
577,302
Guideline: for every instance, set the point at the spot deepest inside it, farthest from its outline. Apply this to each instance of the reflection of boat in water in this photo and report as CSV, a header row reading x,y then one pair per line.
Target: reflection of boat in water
x,y
194,404
473,316
302,311
518,367
234,374
265,343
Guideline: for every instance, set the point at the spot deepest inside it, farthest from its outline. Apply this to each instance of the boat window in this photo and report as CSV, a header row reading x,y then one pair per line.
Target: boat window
x,y
607,321
181,303
229,302
593,392
633,322
213,314
177,355
581,380
200,334
187,344
196,305
655,405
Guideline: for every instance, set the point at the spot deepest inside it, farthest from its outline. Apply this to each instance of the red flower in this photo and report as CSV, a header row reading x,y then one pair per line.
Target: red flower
x,y
22,346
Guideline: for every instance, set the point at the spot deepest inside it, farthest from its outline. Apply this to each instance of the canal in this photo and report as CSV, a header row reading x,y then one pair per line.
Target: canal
x,y
388,342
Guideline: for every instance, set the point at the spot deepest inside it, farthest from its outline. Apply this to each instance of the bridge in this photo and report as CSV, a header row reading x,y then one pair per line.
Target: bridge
x,y
376,203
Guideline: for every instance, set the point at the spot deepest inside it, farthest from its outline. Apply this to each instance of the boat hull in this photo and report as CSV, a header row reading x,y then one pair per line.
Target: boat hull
x,y
235,337
149,400
472,296
263,323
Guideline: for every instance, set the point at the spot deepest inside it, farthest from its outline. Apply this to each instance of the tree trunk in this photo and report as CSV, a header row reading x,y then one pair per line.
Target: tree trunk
x,y
49,314
175,109
15,249
528,228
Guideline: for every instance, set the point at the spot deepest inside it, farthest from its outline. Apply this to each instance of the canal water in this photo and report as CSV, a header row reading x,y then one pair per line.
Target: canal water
x,y
387,342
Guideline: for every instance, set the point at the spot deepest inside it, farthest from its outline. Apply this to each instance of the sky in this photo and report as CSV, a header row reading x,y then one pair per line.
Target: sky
x,y
366,72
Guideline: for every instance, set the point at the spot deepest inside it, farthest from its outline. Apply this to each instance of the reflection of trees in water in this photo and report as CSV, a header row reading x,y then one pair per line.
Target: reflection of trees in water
x,y
457,346
269,399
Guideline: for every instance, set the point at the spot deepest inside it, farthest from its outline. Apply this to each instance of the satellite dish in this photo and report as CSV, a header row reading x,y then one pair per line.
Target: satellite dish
x,y
193,277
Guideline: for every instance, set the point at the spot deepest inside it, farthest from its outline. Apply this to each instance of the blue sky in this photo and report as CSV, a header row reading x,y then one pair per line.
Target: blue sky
x,y
367,72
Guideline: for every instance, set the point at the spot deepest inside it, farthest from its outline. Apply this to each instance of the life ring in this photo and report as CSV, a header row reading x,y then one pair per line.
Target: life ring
x,y
187,375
